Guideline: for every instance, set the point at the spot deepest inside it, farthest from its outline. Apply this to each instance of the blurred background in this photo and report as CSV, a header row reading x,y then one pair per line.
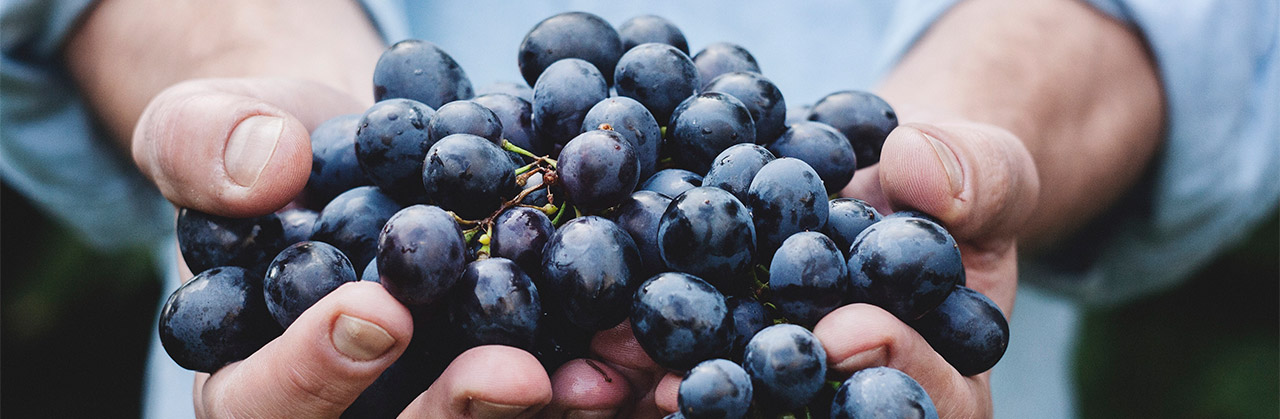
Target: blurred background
x,y
75,324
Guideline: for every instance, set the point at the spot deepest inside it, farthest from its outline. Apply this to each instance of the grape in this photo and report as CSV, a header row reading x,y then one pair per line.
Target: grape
x,y
298,224
786,197
808,278
468,175
715,389
515,89
558,340
823,148
649,28
519,234
597,169
967,329
787,365
761,97
672,182
705,125
723,57
496,304
658,76
591,266
421,254
464,117
640,215
370,272
352,221
516,115
749,318
335,167
864,118
906,266
419,70
846,219
910,213
629,118
208,241
216,318
680,320
706,232
563,95
390,145
538,197
735,167
569,35
798,113
301,275
882,392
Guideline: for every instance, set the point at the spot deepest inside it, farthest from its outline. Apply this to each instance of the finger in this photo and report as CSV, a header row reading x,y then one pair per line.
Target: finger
x,y
865,185
619,349
233,147
667,393
585,389
486,382
320,364
860,336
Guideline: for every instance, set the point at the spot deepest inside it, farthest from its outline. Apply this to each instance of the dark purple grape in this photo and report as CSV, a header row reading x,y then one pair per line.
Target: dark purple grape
x,y
910,213
715,389
516,115
705,125
563,95
496,304
208,241
468,175
558,340
967,329
649,28
658,76
639,215
749,318
629,118
352,221
390,144
906,266
708,233
672,182
216,318
298,224
464,117
723,57
762,97
735,167
864,118
680,320
591,266
370,272
597,170
421,254
419,70
569,35
798,113
882,392
301,275
807,278
786,197
515,89
846,219
538,197
519,234
823,148
787,365
335,168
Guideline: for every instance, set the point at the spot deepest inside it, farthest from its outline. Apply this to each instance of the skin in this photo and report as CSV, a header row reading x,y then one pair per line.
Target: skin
x,y
1042,132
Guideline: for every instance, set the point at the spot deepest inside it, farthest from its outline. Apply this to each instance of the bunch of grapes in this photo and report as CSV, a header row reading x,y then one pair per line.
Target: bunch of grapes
x,y
630,183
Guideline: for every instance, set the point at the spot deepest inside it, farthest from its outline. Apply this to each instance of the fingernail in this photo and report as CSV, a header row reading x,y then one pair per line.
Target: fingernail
x,y
251,145
486,409
949,162
590,414
877,357
360,339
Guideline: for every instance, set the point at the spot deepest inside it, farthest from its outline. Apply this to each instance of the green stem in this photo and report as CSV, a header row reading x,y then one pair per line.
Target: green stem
x,y
560,216
523,169
507,145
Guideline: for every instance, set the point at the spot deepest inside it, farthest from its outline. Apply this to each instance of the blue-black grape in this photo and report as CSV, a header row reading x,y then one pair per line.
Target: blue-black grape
x,y
882,392
563,95
390,144
370,272
823,148
967,329
786,197
680,320
216,318
864,118
639,215
519,234
496,304
539,197
846,219
419,70
335,168
723,57
715,389
787,365
672,182
421,254
298,224
763,99
592,268
516,115
910,213
649,28
515,89
569,35
658,76
301,275
352,221
208,241
597,169
735,167
468,175
749,318
808,278
705,125
629,118
906,266
464,117
798,113
708,233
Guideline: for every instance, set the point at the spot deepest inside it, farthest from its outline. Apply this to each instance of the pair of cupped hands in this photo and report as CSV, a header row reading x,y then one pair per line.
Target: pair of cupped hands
x,y
240,147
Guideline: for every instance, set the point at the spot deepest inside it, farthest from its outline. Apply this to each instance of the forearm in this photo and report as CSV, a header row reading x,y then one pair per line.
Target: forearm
x,y
127,51
1076,87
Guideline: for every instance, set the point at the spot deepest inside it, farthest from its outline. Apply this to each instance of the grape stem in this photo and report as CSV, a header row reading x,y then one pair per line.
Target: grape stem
x,y
507,145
